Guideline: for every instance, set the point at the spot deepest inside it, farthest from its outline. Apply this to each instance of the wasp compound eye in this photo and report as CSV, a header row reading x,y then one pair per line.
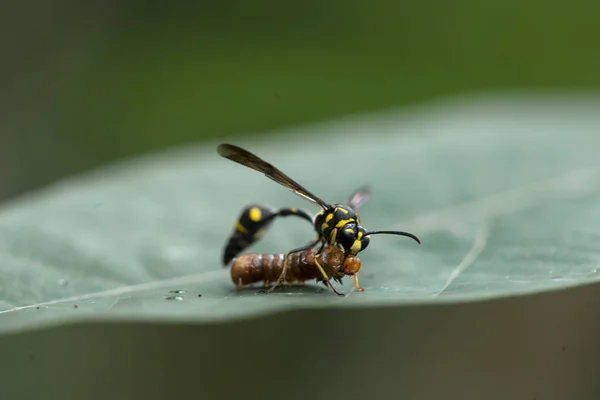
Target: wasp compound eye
x,y
364,242
346,238
351,265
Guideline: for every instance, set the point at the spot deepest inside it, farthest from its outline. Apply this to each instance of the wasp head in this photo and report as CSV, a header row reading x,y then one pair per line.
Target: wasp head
x,y
352,238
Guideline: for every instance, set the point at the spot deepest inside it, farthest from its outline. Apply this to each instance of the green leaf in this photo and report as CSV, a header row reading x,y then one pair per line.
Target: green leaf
x,y
504,193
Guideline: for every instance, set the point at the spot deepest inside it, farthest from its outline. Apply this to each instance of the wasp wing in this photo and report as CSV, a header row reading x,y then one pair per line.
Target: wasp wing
x,y
244,157
359,197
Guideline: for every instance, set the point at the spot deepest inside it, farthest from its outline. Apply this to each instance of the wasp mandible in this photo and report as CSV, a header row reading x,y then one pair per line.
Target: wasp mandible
x,y
336,224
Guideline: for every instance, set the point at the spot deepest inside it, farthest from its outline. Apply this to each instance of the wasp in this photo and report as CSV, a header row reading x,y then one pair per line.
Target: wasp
x,y
256,267
337,225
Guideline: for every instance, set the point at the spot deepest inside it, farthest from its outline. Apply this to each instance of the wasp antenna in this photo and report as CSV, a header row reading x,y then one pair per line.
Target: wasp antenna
x,y
400,233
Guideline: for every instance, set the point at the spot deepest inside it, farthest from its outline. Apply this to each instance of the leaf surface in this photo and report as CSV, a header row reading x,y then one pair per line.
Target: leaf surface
x,y
504,193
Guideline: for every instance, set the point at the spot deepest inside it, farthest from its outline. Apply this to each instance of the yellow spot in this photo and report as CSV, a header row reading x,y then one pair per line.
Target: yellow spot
x,y
294,210
239,227
350,231
359,235
343,222
332,236
328,217
324,227
355,247
341,209
255,214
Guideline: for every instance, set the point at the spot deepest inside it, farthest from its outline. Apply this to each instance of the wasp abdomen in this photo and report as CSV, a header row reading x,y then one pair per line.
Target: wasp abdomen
x,y
251,223
254,220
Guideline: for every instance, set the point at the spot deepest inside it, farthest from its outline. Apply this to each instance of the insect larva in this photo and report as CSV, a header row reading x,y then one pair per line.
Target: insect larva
x,y
266,268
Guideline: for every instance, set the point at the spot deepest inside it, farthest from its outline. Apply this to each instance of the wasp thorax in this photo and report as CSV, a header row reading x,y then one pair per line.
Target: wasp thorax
x,y
351,265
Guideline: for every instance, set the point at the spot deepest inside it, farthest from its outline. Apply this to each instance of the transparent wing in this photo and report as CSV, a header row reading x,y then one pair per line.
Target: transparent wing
x,y
359,197
244,157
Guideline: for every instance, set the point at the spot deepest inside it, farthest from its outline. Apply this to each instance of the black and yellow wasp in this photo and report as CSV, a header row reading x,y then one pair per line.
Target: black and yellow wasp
x,y
336,224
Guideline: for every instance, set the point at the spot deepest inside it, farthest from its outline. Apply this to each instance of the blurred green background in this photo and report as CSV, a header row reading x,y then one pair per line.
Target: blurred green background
x,y
87,83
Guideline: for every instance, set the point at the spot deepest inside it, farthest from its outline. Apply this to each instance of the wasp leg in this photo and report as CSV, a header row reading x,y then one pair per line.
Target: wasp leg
x,y
356,284
252,223
326,278
335,291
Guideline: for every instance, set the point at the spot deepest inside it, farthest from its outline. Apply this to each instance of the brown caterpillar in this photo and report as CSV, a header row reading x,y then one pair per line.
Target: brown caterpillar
x,y
256,267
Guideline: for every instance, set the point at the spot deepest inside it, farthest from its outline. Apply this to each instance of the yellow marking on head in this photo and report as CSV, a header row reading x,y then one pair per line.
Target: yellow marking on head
x,y
356,247
341,209
360,234
255,214
328,217
349,230
343,222
332,236
239,227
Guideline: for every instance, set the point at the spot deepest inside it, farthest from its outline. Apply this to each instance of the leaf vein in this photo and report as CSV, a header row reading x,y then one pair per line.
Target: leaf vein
x,y
479,245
